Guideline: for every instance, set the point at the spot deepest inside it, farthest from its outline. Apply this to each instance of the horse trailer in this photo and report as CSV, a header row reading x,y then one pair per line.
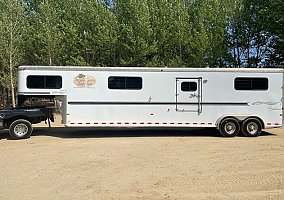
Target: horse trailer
x,y
231,100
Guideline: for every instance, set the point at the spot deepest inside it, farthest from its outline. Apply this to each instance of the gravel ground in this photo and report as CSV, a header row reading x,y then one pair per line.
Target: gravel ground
x,y
62,163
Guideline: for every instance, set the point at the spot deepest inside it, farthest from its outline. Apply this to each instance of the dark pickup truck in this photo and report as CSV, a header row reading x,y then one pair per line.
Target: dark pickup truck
x,y
19,120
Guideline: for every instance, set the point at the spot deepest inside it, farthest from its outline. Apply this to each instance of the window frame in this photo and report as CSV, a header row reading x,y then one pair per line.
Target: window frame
x,y
252,82
44,82
196,85
126,79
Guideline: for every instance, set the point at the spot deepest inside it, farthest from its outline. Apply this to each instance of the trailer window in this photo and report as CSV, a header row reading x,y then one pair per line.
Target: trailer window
x,y
125,83
251,83
44,82
188,86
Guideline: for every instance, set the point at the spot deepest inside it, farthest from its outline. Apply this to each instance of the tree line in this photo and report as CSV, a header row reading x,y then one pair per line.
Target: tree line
x,y
159,33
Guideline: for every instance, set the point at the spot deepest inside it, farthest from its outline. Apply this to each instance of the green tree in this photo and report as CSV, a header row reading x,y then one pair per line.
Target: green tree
x,y
136,46
98,32
172,32
72,33
12,31
254,33
210,21
45,33
271,19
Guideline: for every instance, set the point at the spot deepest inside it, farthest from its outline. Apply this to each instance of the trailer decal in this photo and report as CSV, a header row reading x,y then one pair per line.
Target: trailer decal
x,y
83,81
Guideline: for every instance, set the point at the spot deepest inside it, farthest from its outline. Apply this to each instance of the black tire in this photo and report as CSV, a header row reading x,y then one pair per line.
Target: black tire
x,y
20,129
229,127
251,127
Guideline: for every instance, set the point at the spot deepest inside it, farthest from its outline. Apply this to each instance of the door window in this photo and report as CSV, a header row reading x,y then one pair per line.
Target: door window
x,y
188,86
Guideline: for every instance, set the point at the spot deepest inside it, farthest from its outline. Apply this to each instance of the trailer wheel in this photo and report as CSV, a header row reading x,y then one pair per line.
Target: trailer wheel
x,y
20,129
251,127
229,127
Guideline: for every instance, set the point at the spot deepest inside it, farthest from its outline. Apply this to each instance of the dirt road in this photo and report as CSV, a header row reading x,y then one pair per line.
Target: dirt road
x,y
62,163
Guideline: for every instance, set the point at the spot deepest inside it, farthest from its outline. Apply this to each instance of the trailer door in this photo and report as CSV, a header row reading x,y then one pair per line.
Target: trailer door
x,y
189,94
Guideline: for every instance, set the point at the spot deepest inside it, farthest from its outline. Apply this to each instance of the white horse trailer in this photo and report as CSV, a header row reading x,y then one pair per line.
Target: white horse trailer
x,y
231,100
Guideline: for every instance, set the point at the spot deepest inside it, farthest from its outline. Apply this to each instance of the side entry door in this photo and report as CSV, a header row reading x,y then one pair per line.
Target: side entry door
x,y
189,95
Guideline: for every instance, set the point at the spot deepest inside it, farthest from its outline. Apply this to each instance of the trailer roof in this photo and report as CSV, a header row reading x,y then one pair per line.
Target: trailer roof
x,y
152,69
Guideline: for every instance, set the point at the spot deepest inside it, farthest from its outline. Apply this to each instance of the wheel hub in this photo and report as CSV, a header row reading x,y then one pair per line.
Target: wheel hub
x,y
21,129
252,127
230,128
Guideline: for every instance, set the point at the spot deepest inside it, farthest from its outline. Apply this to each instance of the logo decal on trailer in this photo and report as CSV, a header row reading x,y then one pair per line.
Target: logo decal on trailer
x,y
84,81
